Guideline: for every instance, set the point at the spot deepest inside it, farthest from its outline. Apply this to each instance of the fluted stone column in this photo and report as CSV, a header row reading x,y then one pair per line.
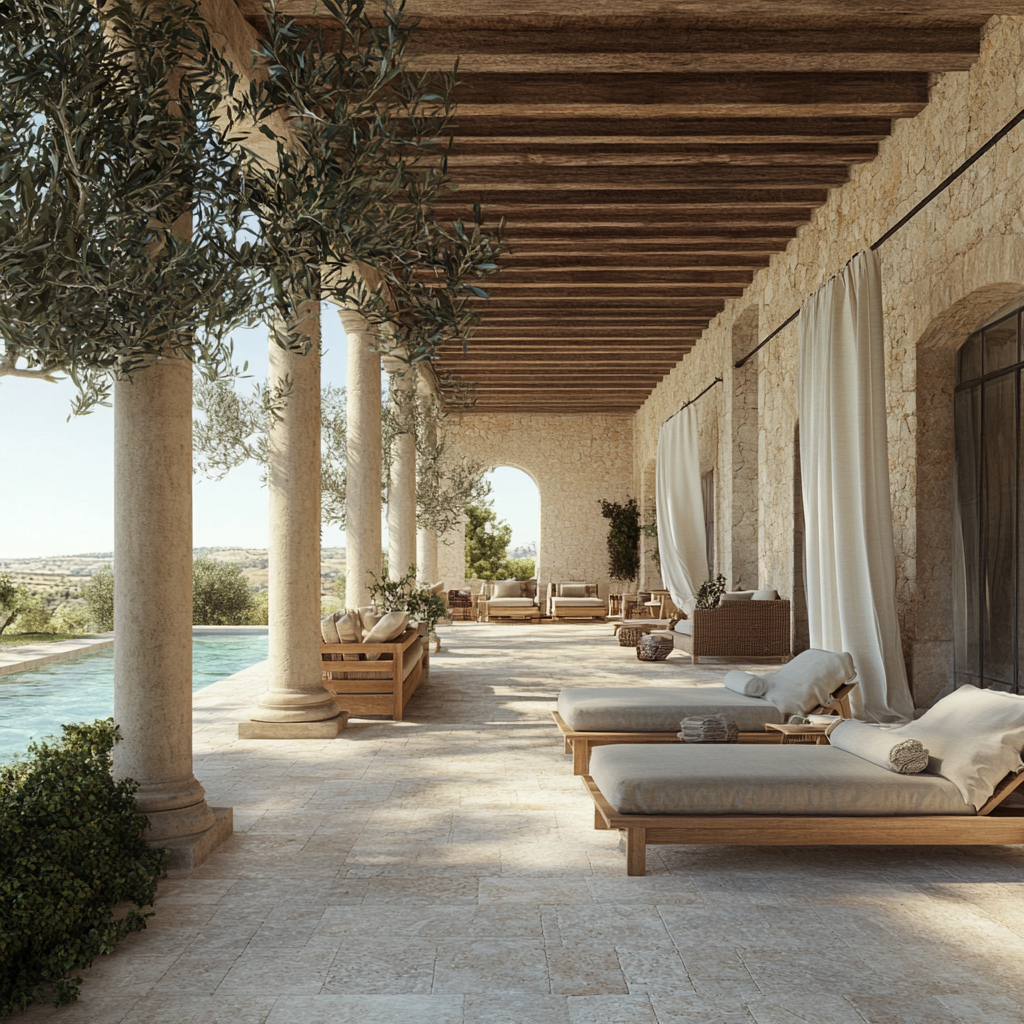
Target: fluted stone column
x,y
153,609
402,485
363,483
295,705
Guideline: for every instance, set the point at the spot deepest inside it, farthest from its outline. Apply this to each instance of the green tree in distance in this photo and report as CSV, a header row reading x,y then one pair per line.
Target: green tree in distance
x,y
14,598
487,541
99,599
221,595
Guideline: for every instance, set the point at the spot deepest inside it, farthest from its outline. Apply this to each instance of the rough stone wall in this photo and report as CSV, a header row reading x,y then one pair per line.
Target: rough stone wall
x,y
575,461
944,274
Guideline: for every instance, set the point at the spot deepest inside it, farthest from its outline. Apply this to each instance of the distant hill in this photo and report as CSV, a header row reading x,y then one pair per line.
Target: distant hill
x,y
524,551
60,573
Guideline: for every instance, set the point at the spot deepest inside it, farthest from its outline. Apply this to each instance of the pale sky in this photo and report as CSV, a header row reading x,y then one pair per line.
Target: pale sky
x,y
57,478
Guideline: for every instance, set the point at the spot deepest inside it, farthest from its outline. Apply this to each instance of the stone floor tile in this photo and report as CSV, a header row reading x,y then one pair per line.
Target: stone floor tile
x,y
516,1009
538,888
229,1009
611,1010
198,974
380,967
718,972
585,970
611,924
286,973
684,1008
985,1008
426,890
368,1009
490,966
904,1008
657,969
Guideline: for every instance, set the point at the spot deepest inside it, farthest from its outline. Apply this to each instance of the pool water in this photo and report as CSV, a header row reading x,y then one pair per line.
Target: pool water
x,y
36,703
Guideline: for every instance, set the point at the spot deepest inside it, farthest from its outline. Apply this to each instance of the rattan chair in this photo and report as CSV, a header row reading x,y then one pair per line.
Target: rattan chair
x,y
743,630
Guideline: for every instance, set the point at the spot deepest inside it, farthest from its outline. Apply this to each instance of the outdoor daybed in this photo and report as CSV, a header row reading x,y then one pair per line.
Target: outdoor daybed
x,y
825,795
814,682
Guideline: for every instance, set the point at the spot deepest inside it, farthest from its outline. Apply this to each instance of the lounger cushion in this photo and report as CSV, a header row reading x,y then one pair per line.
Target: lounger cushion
x,y
974,738
754,779
659,708
809,680
577,602
510,602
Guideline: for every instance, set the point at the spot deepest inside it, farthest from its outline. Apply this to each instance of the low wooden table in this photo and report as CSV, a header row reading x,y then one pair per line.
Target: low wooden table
x,y
814,734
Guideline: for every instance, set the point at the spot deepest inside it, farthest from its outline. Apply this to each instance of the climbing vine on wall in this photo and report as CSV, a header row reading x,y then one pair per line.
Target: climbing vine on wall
x,y
623,539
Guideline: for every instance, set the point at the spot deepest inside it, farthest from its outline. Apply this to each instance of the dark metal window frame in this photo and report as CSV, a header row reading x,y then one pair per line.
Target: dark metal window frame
x,y
979,382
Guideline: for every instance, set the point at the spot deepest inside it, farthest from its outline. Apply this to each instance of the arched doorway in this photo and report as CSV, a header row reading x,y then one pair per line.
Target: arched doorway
x,y
515,500
987,522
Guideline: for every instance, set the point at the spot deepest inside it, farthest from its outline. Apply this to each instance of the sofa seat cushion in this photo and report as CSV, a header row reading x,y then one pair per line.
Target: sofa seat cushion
x,y
659,708
577,602
510,602
754,779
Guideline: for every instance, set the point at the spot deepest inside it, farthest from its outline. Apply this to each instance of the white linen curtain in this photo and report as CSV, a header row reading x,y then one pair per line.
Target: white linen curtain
x,y
680,507
844,462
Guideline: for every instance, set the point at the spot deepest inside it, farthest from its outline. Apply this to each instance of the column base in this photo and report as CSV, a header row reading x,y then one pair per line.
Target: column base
x,y
187,853
327,729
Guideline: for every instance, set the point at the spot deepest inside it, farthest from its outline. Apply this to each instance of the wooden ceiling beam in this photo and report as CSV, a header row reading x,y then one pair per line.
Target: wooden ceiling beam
x,y
564,276
653,153
636,176
743,196
640,261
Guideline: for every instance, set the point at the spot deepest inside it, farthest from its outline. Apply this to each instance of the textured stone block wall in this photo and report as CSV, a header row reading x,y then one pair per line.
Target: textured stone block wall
x,y
944,275
575,462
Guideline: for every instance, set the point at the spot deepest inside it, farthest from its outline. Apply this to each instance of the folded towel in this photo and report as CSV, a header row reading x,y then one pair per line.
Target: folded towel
x,y
875,743
708,729
746,683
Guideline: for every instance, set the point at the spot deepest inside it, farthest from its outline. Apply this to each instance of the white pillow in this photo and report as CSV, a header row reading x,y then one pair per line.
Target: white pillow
x,y
737,595
877,744
746,683
369,617
572,590
809,680
688,606
974,738
329,630
349,626
506,588
391,626
769,594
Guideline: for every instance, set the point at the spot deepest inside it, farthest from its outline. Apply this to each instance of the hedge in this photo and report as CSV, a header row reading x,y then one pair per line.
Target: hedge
x,y
71,849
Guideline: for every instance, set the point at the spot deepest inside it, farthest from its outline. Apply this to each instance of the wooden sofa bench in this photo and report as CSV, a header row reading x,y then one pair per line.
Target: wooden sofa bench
x,y
380,686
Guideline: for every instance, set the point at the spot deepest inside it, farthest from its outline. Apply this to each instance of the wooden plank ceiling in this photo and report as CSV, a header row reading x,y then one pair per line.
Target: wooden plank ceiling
x,y
649,157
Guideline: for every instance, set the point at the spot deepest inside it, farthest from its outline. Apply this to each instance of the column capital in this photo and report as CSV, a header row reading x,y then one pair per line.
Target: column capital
x,y
354,322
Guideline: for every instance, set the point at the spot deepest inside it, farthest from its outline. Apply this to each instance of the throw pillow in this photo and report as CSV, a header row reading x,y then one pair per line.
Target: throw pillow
x,y
769,594
349,625
572,590
390,627
329,630
974,738
737,595
746,683
506,588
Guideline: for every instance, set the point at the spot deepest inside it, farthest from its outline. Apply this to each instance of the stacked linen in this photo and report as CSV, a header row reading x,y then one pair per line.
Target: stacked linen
x,y
708,729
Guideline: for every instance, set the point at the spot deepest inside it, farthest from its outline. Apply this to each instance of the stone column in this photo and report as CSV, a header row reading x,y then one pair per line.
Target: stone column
x,y
426,557
363,483
153,609
402,485
295,705
426,540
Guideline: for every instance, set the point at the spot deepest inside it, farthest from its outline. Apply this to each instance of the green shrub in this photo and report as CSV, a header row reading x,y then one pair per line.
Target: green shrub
x,y
71,848
518,569
13,598
34,617
221,595
71,618
99,599
259,614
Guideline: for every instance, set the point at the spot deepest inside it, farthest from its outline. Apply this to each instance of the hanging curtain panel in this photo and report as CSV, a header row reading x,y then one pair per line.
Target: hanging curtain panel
x,y
844,463
680,507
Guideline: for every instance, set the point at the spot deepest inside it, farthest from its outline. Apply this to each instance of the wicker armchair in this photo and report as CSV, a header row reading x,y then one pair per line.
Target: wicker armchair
x,y
460,606
745,630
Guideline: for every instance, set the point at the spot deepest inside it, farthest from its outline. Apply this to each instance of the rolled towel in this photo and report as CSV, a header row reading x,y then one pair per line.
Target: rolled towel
x,y
746,683
876,744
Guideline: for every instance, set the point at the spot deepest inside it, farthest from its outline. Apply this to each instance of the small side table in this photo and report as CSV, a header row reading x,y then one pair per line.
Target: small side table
x,y
810,734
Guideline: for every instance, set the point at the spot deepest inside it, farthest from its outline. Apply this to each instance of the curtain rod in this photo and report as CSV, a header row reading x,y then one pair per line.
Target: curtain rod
x,y
937,191
717,380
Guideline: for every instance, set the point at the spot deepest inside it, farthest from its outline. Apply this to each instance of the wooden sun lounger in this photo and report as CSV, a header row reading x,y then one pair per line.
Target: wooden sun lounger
x,y
994,825
580,744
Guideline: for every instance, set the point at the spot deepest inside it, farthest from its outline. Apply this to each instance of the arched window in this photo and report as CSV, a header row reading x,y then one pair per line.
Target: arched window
x,y
987,544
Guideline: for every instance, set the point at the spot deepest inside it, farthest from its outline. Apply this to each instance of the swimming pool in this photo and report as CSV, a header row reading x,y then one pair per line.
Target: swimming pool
x,y
36,703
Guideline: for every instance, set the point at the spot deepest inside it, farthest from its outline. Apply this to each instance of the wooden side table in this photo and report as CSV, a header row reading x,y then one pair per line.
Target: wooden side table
x,y
810,734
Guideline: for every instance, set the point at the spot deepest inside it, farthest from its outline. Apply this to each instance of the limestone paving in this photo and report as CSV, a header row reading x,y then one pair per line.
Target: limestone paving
x,y
445,870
